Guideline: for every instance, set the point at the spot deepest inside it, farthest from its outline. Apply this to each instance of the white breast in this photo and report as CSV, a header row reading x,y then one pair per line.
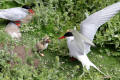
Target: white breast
x,y
46,45
74,51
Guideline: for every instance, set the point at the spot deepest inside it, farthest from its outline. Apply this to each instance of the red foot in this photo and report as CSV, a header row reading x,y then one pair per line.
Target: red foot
x,y
73,59
17,21
18,24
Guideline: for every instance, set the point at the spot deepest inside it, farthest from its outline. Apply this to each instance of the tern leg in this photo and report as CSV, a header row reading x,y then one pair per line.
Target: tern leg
x,y
17,21
73,59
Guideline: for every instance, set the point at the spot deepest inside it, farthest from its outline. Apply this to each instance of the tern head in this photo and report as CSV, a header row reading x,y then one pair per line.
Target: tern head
x,y
67,35
26,7
46,39
29,8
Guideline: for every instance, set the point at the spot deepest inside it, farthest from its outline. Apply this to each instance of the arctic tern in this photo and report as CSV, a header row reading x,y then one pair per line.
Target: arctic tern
x,y
16,14
79,43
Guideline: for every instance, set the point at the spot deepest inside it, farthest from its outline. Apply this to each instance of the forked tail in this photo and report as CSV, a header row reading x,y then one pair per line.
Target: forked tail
x,y
87,63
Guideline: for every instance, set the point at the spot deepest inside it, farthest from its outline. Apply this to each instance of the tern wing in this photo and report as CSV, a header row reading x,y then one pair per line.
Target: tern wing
x,y
89,26
78,41
75,49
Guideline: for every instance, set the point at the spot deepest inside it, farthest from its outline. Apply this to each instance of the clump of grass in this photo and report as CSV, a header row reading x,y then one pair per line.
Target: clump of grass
x,y
53,18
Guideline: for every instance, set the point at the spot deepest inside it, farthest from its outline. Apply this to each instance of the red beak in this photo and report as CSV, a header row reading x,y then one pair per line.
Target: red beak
x,y
31,11
62,37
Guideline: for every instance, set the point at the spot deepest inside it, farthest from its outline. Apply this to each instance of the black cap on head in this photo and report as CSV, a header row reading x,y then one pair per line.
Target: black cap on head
x,y
26,7
68,34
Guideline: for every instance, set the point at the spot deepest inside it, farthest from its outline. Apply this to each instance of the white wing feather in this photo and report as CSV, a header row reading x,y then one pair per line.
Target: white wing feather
x,y
78,41
89,26
13,14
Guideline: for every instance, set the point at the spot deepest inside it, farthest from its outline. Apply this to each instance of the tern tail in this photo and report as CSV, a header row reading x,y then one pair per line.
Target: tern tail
x,y
87,63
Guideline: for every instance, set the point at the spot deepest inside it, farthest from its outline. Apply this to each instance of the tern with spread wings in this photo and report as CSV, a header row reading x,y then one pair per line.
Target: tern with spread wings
x,y
79,43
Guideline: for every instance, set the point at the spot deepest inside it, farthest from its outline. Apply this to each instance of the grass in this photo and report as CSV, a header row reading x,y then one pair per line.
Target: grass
x,y
56,64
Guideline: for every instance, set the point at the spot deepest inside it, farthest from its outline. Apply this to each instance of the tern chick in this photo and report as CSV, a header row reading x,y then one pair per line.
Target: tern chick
x,y
43,44
13,30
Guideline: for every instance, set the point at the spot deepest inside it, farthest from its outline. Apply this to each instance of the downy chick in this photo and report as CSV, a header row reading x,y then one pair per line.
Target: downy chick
x,y
13,30
43,44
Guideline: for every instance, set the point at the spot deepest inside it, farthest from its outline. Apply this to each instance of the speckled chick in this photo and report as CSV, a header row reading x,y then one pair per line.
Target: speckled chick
x,y
43,44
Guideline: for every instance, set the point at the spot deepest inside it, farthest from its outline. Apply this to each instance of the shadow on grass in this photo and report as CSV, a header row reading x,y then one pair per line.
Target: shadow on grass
x,y
3,23
70,64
